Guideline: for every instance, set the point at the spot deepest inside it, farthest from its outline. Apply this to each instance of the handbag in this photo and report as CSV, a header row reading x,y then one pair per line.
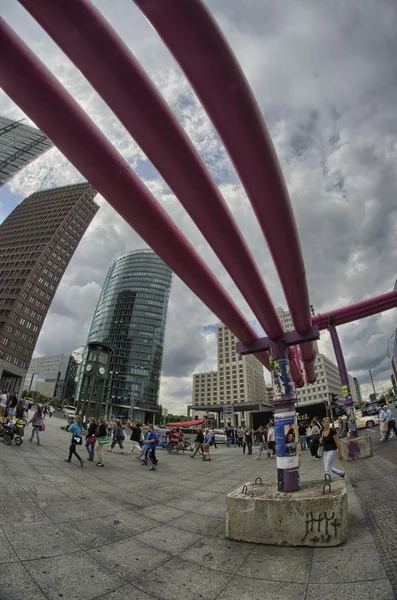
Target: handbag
x,y
320,451
77,440
91,439
103,440
42,427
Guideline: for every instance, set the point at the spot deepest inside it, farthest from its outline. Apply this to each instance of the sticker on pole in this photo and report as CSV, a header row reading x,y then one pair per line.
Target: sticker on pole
x,y
286,446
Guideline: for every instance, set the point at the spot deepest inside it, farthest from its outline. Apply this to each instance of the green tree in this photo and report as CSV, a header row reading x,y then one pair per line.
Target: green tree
x,y
65,402
53,401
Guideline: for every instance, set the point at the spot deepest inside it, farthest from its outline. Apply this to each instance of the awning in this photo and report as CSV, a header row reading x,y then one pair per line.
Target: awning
x,y
193,423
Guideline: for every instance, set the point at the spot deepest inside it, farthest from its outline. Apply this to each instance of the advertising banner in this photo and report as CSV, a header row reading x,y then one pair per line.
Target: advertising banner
x,y
286,440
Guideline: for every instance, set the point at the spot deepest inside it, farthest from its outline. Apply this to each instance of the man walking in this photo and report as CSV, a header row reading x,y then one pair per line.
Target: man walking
x,y
135,437
199,441
383,423
151,440
302,436
391,423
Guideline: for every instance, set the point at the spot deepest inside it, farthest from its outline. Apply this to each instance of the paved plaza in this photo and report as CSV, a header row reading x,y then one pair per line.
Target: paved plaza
x,y
128,533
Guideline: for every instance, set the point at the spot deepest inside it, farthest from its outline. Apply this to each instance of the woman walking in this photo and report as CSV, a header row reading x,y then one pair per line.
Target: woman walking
x,y
37,423
262,443
330,440
76,431
102,435
90,440
118,437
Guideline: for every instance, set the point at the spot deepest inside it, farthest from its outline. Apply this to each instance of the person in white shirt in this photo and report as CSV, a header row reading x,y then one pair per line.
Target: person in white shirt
x,y
3,404
383,423
271,440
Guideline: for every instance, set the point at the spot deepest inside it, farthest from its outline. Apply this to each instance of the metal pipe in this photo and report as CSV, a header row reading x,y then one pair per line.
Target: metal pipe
x,y
103,58
26,80
365,308
193,37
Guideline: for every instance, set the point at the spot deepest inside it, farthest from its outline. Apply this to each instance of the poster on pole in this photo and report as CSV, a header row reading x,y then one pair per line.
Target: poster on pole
x,y
286,440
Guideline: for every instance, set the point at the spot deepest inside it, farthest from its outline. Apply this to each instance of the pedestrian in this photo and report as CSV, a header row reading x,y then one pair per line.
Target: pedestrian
x,y
37,422
118,437
229,436
262,443
152,440
77,440
90,439
110,428
103,439
144,447
3,404
391,423
330,441
20,410
302,436
52,410
315,439
383,423
248,440
271,440
198,442
240,437
12,402
135,436
235,438
207,445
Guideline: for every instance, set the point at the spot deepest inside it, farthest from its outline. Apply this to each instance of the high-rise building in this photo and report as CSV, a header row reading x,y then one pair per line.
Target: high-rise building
x,y
19,145
52,376
130,318
238,380
37,241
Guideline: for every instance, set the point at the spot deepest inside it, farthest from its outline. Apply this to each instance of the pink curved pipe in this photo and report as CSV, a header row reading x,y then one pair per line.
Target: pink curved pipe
x,y
368,307
193,37
295,368
40,95
95,48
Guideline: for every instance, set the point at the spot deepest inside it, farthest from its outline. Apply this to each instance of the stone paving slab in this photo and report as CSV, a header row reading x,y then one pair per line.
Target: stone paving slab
x,y
129,533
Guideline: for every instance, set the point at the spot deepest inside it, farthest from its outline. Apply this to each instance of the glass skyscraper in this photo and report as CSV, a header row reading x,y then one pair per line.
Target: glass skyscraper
x,y
131,318
19,145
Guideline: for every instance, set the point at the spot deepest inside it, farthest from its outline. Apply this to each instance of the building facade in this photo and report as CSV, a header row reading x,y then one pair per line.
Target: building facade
x,y
238,380
19,145
52,376
358,390
37,241
131,318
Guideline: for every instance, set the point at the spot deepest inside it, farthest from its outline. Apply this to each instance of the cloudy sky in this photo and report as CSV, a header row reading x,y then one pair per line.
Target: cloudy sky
x,y
325,79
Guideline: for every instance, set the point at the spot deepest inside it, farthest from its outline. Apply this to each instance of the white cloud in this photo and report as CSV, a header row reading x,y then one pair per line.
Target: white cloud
x,y
325,82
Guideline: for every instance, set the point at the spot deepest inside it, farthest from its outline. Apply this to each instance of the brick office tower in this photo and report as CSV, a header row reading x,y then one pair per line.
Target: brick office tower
x,y
37,241
20,144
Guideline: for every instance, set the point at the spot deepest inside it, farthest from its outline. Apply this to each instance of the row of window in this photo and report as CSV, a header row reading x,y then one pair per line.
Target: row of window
x,y
18,362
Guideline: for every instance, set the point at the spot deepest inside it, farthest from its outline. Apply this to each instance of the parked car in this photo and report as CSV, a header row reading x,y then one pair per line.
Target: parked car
x,y
69,411
364,421
220,436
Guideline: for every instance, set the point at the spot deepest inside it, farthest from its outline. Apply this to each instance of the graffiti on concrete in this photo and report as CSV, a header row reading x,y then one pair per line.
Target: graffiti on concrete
x,y
353,450
322,528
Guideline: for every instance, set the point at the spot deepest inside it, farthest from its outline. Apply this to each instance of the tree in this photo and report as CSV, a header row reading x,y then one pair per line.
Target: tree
x,y
159,414
65,402
53,401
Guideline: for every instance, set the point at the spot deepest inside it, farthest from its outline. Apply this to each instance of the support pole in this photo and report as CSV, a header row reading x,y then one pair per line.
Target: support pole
x,y
372,381
344,378
285,421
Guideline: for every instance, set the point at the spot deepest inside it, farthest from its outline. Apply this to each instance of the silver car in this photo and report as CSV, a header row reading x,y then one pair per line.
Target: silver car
x,y
220,436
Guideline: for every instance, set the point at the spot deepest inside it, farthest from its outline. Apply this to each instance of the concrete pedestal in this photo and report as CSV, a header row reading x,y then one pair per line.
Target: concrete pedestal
x,y
356,448
308,517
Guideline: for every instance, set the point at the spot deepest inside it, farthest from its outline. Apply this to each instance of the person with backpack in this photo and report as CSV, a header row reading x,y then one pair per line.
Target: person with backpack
x,y
151,441
199,441
118,437
37,423
90,440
